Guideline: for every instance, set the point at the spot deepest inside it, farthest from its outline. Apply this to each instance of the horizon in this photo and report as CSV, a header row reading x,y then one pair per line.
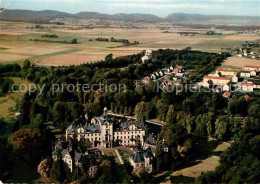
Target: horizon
x,y
258,16
160,8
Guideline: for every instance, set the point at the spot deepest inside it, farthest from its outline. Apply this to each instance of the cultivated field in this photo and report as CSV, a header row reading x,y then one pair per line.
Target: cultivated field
x,y
239,62
16,43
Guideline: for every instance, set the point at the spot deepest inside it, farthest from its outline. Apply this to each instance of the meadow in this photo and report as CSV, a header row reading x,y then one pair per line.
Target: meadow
x,y
16,43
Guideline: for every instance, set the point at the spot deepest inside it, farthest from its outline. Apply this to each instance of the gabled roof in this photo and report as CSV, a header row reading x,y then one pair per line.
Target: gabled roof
x,y
251,66
215,77
225,70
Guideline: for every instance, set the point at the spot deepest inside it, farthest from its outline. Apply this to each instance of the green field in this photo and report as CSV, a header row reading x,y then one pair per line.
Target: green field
x,y
15,45
112,153
125,155
8,102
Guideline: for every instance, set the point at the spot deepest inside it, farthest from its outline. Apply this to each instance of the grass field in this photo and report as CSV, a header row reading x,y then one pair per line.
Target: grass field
x,y
239,62
112,153
15,44
125,155
8,102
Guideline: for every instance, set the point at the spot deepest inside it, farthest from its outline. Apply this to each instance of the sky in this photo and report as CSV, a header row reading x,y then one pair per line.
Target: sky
x,y
160,8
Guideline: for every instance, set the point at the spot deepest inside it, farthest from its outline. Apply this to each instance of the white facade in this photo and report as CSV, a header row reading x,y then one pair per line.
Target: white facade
x,y
245,74
248,87
217,80
101,132
226,72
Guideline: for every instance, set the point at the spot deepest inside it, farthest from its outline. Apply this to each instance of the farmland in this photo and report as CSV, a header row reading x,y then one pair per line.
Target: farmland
x,y
18,43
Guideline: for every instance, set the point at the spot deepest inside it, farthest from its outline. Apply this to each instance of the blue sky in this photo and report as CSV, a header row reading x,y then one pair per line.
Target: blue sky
x,y
157,7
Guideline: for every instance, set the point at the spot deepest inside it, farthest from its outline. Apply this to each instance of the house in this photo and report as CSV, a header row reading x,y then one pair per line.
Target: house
x,y
102,132
256,82
253,73
226,87
73,159
251,68
180,75
226,72
153,77
216,80
142,159
234,79
147,57
247,97
227,94
161,73
151,141
146,80
245,74
247,87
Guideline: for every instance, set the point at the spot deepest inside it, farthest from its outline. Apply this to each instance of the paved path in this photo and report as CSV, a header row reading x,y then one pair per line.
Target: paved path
x,y
151,121
119,157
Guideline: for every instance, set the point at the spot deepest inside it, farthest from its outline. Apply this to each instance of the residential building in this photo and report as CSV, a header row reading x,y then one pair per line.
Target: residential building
x,y
247,87
227,94
251,68
147,57
245,74
142,159
90,160
216,80
226,72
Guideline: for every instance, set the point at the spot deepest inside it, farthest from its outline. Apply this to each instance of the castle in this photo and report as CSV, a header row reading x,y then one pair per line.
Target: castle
x,y
103,132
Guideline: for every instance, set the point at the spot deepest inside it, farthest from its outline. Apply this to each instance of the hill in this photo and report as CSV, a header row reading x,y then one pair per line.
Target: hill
x,y
46,15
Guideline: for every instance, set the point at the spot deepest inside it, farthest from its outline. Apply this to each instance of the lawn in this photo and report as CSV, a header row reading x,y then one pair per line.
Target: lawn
x,y
125,155
112,153
8,102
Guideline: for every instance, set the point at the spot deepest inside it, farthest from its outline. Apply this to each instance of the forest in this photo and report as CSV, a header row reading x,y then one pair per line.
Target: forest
x,y
191,117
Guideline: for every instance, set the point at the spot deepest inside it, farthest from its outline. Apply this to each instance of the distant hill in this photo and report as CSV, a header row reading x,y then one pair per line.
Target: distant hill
x,y
47,15
121,17
183,17
32,16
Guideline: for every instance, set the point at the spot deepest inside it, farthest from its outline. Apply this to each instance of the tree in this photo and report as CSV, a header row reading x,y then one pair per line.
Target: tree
x,y
254,110
222,127
170,117
26,64
44,168
28,143
140,111
58,170
109,57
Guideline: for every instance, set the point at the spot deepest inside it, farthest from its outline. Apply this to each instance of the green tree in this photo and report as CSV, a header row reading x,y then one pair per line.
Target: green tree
x,y
140,111
170,117
222,127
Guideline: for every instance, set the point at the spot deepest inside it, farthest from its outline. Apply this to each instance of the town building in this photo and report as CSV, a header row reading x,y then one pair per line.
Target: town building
x,y
102,132
226,72
245,74
147,57
216,80
227,94
247,87
251,68
142,159
90,160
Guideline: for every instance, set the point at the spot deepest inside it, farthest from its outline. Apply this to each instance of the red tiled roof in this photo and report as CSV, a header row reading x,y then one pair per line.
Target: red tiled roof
x,y
225,70
248,84
215,77
227,94
251,66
